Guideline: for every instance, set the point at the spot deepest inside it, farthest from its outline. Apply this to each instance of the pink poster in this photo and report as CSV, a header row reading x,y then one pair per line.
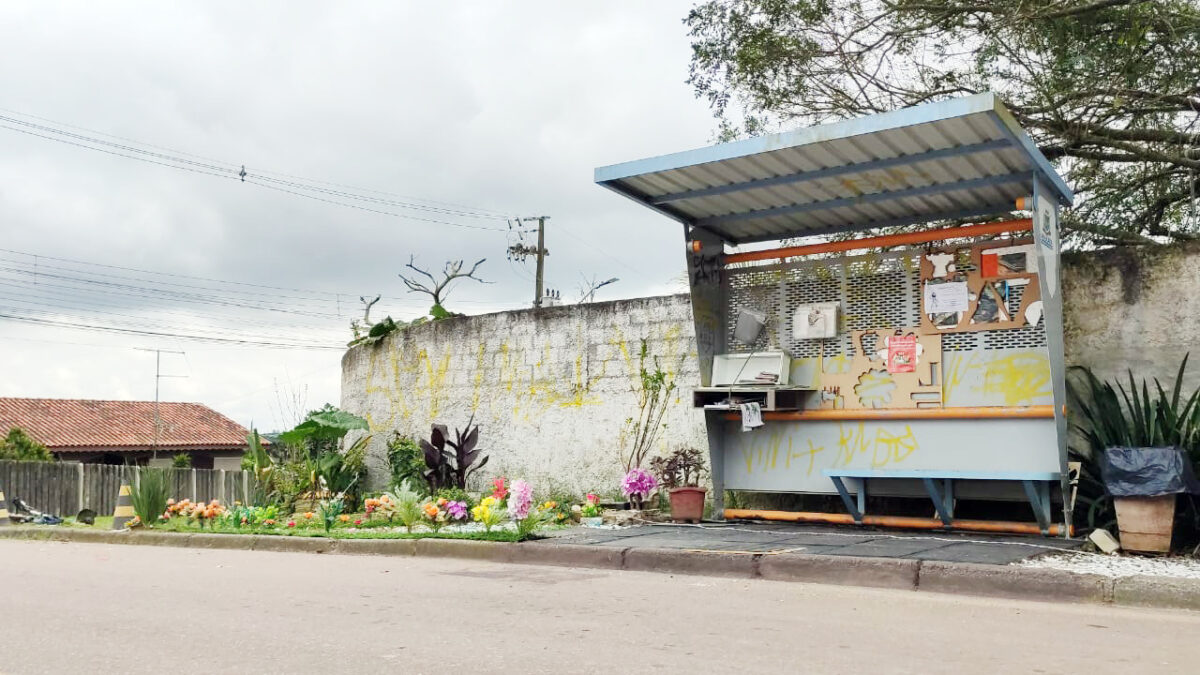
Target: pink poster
x,y
902,353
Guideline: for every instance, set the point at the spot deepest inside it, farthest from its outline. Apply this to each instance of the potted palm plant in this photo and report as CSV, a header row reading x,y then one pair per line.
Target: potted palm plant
x,y
680,473
1142,442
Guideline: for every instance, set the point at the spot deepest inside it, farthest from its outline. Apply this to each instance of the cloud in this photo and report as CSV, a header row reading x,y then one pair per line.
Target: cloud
x,y
506,107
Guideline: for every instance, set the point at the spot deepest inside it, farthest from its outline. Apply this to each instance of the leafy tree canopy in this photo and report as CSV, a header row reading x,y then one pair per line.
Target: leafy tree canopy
x,y
1109,89
20,446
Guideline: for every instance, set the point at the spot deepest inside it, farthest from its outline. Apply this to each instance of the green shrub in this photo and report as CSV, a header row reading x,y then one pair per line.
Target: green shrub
x,y
182,461
19,446
406,462
149,495
455,494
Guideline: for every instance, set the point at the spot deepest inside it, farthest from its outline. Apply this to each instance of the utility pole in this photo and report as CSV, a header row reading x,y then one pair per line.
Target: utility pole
x,y
521,251
157,377
541,260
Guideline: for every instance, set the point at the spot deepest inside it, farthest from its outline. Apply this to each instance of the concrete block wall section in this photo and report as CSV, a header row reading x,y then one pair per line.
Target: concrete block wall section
x,y
552,388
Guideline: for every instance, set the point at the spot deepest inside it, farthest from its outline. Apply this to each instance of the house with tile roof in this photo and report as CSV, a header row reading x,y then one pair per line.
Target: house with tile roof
x,y
120,432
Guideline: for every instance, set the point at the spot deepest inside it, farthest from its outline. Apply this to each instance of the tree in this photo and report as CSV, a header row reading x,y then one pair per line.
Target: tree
x,y
1109,89
437,290
19,446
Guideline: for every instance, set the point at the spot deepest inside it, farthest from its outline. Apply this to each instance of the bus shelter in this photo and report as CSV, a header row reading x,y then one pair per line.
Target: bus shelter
x,y
926,362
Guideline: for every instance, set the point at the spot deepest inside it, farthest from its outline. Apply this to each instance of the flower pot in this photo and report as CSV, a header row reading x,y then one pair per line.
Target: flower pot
x,y
687,504
1146,523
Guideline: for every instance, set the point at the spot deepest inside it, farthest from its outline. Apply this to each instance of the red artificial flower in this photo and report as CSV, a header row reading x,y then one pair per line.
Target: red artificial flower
x,y
498,489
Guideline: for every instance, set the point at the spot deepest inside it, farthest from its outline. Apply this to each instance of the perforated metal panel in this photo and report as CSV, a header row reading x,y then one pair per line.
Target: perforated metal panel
x,y
873,291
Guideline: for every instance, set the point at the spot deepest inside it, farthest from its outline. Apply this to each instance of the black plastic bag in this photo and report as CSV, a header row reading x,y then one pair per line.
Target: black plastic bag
x,y
1147,472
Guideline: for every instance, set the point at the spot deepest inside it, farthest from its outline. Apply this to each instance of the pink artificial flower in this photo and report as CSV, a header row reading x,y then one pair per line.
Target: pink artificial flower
x,y
522,500
358,522
638,482
291,523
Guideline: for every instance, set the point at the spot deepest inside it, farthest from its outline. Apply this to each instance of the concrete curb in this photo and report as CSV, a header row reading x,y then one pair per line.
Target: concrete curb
x,y
1001,581
929,576
1144,591
841,570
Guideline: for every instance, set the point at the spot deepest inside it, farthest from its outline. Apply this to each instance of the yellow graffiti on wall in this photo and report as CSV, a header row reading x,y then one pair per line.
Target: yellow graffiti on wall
x,y
505,380
1008,378
885,446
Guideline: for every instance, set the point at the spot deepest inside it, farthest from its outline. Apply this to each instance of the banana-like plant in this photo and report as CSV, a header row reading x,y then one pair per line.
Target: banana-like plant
x,y
451,462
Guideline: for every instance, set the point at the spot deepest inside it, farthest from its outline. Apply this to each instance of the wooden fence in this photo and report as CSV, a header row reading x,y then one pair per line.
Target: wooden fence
x,y
65,488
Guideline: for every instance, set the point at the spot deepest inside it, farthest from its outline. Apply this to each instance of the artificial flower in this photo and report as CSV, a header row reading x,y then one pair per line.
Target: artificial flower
x,y
499,492
638,482
521,501
456,510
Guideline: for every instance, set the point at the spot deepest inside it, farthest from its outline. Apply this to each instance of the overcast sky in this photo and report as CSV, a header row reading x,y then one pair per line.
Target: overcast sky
x,y
469,111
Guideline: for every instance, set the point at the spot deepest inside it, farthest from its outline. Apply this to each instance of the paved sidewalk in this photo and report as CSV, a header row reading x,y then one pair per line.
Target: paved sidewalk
x,y
789,538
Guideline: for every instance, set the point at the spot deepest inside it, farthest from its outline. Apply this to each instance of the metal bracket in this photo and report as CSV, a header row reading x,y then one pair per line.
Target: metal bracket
x,y
845,494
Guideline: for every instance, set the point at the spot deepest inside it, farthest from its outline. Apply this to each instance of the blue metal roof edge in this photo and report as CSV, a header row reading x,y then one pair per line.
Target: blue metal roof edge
x,y
1009,125
905,117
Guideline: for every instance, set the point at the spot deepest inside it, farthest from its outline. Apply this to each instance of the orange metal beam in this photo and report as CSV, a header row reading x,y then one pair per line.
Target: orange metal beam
x,y
904,522
1019,225
1030,412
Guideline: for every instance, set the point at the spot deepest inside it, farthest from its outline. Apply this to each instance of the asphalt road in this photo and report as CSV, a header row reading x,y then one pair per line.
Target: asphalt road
x,y
90,608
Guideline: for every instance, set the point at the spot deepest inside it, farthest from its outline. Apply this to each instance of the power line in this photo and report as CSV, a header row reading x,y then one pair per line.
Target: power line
x,y
130,331
477,209
147,324
364,208
217,171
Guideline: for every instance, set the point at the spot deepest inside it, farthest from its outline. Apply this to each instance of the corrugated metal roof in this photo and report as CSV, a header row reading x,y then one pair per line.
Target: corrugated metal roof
x,y
959,158
66,425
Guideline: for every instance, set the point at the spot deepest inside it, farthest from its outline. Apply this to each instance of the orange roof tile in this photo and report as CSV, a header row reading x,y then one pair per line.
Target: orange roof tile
x,y
66,425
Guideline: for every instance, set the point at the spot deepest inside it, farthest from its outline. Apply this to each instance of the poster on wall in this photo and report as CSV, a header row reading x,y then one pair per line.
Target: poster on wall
x,y
950,296
902,353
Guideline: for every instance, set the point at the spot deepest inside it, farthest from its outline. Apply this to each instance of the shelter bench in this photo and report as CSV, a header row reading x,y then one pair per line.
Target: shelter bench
x,y
1036,483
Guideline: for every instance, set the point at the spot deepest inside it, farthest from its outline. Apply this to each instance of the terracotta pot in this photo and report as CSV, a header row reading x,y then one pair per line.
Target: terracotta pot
x,y
687,504
1146,523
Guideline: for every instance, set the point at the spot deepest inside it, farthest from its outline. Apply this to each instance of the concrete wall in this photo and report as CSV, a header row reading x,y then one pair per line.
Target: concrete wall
x,y
1134,308
551,389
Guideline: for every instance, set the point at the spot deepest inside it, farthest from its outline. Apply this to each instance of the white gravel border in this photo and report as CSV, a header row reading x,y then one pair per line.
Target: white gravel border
x,y
1117,566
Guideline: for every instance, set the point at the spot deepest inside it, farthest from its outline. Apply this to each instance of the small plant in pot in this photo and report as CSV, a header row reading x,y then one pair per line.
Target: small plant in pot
x,y
680,473
1141,441
589,511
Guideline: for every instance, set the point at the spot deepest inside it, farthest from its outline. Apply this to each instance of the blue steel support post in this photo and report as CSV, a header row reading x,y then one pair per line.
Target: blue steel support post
x,y
1046,243
845,495
1039,499
706,276
938,503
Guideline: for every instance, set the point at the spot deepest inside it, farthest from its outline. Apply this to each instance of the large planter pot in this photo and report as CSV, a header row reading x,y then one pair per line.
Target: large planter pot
x,y
1146,523
687,504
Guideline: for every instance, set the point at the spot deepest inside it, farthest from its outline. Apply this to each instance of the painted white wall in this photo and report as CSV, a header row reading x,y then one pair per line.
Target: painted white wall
x,y
551,389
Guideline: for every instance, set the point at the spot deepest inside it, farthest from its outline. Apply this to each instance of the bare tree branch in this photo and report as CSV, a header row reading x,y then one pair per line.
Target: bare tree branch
x,y
436,289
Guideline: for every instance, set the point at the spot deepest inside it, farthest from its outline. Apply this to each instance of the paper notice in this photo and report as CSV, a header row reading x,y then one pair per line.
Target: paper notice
x,y
947,297
902,353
